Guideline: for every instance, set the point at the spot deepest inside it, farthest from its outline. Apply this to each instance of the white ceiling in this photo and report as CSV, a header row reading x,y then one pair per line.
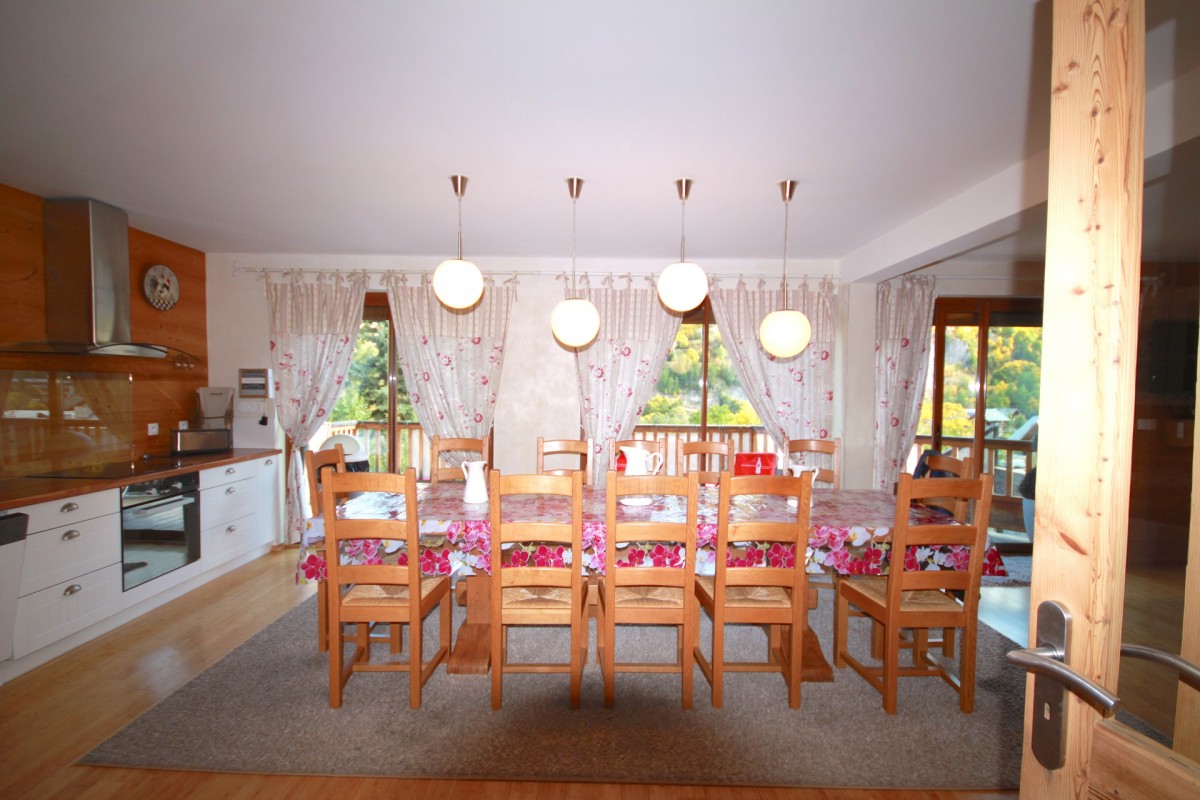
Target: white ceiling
x,y
316,126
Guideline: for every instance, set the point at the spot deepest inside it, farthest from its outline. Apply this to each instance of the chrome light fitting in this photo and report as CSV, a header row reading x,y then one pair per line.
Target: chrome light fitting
x,y
458,283
575,321
683,285
786,332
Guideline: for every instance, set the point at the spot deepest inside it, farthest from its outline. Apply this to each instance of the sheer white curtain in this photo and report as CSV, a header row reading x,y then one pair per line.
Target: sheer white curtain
x,y
793,396
451,358
314,324
619,370
903,321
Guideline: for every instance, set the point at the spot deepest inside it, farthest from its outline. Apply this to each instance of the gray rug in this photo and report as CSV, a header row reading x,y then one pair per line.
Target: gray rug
x,y
264,708
1019,569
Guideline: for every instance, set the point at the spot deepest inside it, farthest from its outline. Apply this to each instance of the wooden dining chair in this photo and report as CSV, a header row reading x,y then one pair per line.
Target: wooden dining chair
x,y
661,592
921,599
580,448
705,452
315,462
439,471
830,475
650,445
366,593
773,593
537,574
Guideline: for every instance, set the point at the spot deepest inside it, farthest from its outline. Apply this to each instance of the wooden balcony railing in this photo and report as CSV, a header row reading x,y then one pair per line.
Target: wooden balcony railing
x,y
1007,459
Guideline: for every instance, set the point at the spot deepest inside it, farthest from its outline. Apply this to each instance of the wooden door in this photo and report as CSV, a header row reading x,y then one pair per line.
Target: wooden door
x,y
1093,252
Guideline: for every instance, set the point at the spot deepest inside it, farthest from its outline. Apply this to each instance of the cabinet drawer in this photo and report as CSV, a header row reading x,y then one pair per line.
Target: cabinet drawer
x,y
60,554
49,615
224,540
216,476
55,513
224,503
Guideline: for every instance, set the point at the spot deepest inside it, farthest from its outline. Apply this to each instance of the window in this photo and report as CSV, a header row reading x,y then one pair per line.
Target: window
x,y
698,395
374,406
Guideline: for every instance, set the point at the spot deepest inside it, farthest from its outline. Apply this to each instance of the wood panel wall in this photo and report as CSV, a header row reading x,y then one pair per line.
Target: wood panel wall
x,y
162,393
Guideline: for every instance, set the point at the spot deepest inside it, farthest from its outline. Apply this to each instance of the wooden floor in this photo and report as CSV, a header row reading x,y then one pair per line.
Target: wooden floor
x,y
55,714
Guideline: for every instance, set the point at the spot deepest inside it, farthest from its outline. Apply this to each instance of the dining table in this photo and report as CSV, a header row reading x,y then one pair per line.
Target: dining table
x,y
849,535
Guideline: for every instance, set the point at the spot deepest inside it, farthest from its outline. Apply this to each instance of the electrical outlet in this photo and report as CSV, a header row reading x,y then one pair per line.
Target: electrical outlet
x,y
152,429
182,425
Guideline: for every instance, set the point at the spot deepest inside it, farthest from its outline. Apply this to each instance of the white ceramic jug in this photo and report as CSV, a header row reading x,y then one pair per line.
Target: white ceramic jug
x,y
797,470
641,462
476,490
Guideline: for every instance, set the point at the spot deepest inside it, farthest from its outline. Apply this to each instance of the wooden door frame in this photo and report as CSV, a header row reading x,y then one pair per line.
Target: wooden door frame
x,y
1089,353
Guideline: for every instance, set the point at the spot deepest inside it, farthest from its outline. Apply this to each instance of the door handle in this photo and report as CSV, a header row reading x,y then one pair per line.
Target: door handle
x,y
1053,676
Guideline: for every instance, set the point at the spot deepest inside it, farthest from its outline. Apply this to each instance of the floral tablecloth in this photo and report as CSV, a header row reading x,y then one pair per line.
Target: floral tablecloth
x,y
849,536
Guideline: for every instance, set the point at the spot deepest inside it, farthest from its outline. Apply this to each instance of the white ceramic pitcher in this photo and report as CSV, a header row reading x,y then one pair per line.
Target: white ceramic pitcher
x,y
797,470
641,462
476,490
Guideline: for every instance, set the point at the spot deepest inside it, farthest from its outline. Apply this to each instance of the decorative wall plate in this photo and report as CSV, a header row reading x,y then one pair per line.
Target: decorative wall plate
x,y
161,287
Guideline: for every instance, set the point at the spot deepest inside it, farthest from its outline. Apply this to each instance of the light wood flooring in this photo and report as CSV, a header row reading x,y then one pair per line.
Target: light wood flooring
x,y
55,714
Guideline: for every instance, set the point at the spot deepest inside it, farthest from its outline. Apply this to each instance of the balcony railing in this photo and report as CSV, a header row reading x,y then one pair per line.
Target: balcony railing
x,y
1007,459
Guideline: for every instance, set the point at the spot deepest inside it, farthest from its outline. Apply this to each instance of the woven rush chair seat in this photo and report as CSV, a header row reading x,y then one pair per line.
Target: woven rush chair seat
x,y
536,597
876,589
648,597
375,594
745,596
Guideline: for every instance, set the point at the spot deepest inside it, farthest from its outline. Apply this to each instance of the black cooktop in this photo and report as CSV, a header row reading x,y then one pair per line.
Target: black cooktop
x,y
115,469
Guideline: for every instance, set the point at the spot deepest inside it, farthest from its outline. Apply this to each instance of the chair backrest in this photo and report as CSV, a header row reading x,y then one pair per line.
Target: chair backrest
x,y
832,448
582,448
650,445
782,563
672,557
439,471
705,451
943,467
370,533
963,541
544,553
316,462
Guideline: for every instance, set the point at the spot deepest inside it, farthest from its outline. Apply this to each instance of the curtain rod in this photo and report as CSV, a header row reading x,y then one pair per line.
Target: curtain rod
x,y
240,270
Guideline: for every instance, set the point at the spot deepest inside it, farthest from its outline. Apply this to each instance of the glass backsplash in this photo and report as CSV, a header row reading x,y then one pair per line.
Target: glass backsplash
x,y
54,419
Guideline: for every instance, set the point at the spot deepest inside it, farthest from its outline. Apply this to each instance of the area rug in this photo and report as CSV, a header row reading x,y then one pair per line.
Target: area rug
x,y
264,708
1019,569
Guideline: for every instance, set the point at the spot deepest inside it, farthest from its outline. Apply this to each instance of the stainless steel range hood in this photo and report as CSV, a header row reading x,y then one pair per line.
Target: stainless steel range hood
x,y
86,264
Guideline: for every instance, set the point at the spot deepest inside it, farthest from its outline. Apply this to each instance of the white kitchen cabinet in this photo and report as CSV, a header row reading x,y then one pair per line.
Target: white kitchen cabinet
x,y
71,576
235,503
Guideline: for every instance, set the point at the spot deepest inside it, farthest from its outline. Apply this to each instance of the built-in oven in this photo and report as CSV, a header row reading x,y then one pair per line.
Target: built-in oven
x,y
160,527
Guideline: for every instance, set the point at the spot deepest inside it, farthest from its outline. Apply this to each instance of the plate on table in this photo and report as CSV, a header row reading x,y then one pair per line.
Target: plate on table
x,y
635,500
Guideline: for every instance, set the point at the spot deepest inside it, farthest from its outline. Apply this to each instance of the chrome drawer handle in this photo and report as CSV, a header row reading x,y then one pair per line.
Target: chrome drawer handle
x,y
269,462
74,588
231,529
230,471
67,508
230,490
69,535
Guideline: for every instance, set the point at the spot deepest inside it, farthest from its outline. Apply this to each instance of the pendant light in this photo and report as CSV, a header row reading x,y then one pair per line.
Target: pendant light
x,y
458,283
575,321
683,285
785,332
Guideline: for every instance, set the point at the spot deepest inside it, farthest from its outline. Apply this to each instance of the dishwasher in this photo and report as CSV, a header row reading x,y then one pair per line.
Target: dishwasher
x,y
13,528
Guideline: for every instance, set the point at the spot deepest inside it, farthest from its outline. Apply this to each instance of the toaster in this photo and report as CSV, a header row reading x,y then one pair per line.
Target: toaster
x,y
201,440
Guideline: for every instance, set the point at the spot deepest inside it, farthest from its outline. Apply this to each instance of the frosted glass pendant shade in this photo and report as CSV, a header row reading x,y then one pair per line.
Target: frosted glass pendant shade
x,y
682,286
575,322
457,283
785,333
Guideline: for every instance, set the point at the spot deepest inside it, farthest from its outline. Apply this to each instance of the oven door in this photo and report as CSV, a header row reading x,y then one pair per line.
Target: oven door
x,y
159,536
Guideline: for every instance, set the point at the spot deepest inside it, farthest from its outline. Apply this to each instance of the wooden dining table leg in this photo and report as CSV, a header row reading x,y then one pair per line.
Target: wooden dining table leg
x,y
471,654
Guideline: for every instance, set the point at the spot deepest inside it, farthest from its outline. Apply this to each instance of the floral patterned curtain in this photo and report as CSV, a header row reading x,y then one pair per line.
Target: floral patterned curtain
x,y
314,324
793,396
451,358
619,370
903,321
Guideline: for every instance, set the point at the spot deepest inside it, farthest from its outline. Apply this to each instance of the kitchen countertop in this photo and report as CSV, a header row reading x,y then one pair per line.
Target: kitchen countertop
x,y
16,492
